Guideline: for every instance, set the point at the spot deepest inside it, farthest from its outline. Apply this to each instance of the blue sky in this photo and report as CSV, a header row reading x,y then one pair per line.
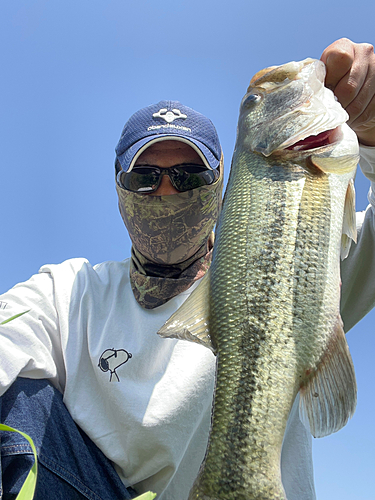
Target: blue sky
x,y
74,71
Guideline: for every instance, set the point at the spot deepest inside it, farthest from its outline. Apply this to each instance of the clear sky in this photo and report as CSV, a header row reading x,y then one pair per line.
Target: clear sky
x,y
73,71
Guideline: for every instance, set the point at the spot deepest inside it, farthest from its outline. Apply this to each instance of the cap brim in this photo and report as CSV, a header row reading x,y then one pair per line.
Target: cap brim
x,y
131,155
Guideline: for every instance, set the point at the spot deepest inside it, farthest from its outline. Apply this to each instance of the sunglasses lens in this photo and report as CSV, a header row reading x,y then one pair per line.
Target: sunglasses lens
x,y
146,179
187,177
140,179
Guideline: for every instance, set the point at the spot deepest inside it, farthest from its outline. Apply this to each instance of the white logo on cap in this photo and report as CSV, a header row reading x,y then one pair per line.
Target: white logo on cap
x,y
169,116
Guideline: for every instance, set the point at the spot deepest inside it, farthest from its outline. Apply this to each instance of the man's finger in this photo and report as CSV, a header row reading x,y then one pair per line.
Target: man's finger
x,y
354,91
338,58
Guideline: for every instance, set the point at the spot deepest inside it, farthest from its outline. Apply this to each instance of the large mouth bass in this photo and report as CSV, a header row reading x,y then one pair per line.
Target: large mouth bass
x,y
269,307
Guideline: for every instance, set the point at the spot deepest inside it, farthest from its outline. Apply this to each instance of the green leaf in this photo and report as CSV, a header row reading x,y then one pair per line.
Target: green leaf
x,y
28,488
146,496
14,317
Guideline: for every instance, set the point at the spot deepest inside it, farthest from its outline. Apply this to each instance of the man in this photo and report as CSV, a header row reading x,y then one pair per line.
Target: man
x,y
142,404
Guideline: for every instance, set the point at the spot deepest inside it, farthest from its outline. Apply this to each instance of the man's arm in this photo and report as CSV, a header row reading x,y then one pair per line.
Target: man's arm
x,y
358,269
351,75
30,343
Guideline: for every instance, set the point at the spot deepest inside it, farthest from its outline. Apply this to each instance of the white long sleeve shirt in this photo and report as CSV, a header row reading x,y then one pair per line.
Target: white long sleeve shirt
x,y
146,401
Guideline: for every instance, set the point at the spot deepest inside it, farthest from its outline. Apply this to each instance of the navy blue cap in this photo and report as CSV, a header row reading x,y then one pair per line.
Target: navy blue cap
x,y
168,120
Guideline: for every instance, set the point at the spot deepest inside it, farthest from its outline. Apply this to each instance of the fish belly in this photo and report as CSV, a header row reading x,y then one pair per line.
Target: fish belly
x,y
267,320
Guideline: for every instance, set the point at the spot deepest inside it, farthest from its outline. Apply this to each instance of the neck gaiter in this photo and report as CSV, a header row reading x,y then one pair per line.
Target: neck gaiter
x,y
172,239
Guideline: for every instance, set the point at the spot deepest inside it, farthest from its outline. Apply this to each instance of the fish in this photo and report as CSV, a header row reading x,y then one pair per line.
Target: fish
x,y
269,307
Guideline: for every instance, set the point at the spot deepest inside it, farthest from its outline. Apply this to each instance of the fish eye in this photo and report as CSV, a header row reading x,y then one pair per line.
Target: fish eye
x,y
251,99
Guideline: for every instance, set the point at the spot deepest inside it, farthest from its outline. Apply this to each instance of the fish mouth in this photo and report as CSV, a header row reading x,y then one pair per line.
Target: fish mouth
x,y
322,139
294,111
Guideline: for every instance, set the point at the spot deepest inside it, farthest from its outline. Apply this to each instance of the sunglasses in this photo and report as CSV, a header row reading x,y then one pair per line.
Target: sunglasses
x,y
147,178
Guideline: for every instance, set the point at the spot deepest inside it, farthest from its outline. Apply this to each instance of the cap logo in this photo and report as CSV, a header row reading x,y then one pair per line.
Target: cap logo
x,y
169,116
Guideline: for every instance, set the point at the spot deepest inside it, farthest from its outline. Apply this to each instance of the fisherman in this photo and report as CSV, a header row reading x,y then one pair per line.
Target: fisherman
x,y
109,404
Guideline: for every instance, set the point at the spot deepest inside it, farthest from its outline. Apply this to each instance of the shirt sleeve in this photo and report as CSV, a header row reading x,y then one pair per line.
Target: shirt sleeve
x,y
30,343
358,269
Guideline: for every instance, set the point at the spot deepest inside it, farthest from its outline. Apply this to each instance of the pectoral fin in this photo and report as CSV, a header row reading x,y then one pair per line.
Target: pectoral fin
x,y
190,321
332,165
329,397
349,230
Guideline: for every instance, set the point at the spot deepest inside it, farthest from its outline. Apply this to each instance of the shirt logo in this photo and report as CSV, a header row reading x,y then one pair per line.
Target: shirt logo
x,y
111,359
169,116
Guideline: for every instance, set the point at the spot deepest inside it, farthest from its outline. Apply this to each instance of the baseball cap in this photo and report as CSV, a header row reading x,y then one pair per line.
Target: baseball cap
x,y
168,120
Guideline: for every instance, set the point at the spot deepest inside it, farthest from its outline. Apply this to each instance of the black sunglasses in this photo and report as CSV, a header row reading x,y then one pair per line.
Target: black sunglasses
x,y
147,178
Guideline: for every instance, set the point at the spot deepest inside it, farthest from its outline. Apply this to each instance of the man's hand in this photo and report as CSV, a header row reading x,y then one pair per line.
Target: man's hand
x,y
351,75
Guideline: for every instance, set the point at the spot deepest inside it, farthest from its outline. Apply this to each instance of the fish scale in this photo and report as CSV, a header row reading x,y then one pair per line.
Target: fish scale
x,y
269,306
314,226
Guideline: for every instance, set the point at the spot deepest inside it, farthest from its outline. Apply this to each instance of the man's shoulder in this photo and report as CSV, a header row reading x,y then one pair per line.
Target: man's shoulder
x,y
68,266
73,269
74,265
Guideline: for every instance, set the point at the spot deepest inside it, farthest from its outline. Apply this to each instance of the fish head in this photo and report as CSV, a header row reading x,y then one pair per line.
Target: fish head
x,y
287,110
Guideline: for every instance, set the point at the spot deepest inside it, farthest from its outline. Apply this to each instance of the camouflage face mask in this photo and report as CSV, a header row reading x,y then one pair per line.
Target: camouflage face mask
x,y
172,239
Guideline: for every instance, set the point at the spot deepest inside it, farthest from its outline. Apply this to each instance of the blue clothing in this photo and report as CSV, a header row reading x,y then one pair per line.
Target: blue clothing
x,y
70,465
